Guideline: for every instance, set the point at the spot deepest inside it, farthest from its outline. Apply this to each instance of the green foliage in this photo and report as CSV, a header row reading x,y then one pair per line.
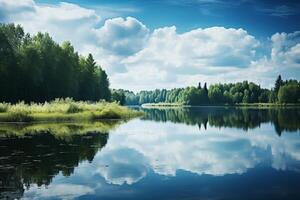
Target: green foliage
x,y
215,94
3,107
194,96
118,96
73,108
278,84
289,93
38,69
233,93
65,110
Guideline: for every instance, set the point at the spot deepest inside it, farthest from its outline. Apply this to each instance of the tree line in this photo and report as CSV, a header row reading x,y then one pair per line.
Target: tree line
x,y
228,93
36,68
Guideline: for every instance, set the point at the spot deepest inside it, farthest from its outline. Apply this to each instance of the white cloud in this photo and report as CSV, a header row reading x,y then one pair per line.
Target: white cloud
x,y
137,58
64,21
64,12
286,49
122,36
168,56
216,46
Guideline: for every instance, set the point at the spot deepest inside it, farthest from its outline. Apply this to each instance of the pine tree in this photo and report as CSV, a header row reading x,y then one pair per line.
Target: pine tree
x,y
91,64
199,85
278,84
205,88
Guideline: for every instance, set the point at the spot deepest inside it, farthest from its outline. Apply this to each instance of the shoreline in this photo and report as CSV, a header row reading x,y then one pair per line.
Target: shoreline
x,y
241,105
64,111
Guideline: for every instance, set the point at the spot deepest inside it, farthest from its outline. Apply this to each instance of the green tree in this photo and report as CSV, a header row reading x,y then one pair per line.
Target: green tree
x,y
118,96
39,69
289,93
246,97
215,95
8,70
278,84
104,85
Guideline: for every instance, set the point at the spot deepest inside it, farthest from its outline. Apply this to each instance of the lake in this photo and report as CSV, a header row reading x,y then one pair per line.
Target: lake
x,y
178,153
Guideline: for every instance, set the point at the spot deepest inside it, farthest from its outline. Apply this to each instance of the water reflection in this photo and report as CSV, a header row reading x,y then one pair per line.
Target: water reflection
x,y
35,153
284,119
169,154
216,151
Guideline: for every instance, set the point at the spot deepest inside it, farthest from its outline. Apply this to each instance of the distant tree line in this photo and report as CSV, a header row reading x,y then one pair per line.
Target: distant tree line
x,y
232,93
36,68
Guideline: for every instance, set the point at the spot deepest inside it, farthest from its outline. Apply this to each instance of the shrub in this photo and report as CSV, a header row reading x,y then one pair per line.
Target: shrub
x,y
73,108
3,107
62,109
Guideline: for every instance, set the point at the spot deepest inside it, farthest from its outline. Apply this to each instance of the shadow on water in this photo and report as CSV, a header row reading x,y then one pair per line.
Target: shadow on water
x,y
35,153
283,119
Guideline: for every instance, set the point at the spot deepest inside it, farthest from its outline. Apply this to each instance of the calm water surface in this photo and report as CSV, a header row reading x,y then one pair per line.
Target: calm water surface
x,y
196,153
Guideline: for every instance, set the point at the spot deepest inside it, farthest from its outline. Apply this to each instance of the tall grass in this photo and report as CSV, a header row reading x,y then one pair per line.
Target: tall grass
x,y
59,130
63,110
3,107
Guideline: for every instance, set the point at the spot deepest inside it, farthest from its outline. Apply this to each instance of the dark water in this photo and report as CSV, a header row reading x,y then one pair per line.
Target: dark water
x,y
196,153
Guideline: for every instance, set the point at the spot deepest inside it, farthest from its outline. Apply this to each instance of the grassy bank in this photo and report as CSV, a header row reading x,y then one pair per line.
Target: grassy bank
x,y
64,110
254,105
59,130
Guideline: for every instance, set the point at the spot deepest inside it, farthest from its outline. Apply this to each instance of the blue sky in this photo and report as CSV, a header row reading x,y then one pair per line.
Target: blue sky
x,y
259,17
165,43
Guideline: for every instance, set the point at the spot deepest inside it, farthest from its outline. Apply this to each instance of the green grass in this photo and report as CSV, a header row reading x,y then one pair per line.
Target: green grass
x,y
64,110
62,130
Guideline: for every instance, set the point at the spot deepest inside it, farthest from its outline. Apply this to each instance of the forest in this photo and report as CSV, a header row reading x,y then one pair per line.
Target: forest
x,y
37,69
287,91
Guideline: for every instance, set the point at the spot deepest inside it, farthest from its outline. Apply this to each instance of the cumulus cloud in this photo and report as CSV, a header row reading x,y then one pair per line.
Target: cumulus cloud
x,y
169,56
286,48
11,9
122,36
216,46
212,55
137,58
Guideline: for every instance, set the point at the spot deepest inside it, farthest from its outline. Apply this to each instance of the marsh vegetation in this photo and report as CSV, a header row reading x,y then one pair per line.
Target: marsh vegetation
x,y
64,110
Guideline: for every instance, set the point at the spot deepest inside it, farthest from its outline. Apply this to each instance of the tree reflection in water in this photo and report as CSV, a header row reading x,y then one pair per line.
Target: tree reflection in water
x,y
284,119
35,158
31,155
